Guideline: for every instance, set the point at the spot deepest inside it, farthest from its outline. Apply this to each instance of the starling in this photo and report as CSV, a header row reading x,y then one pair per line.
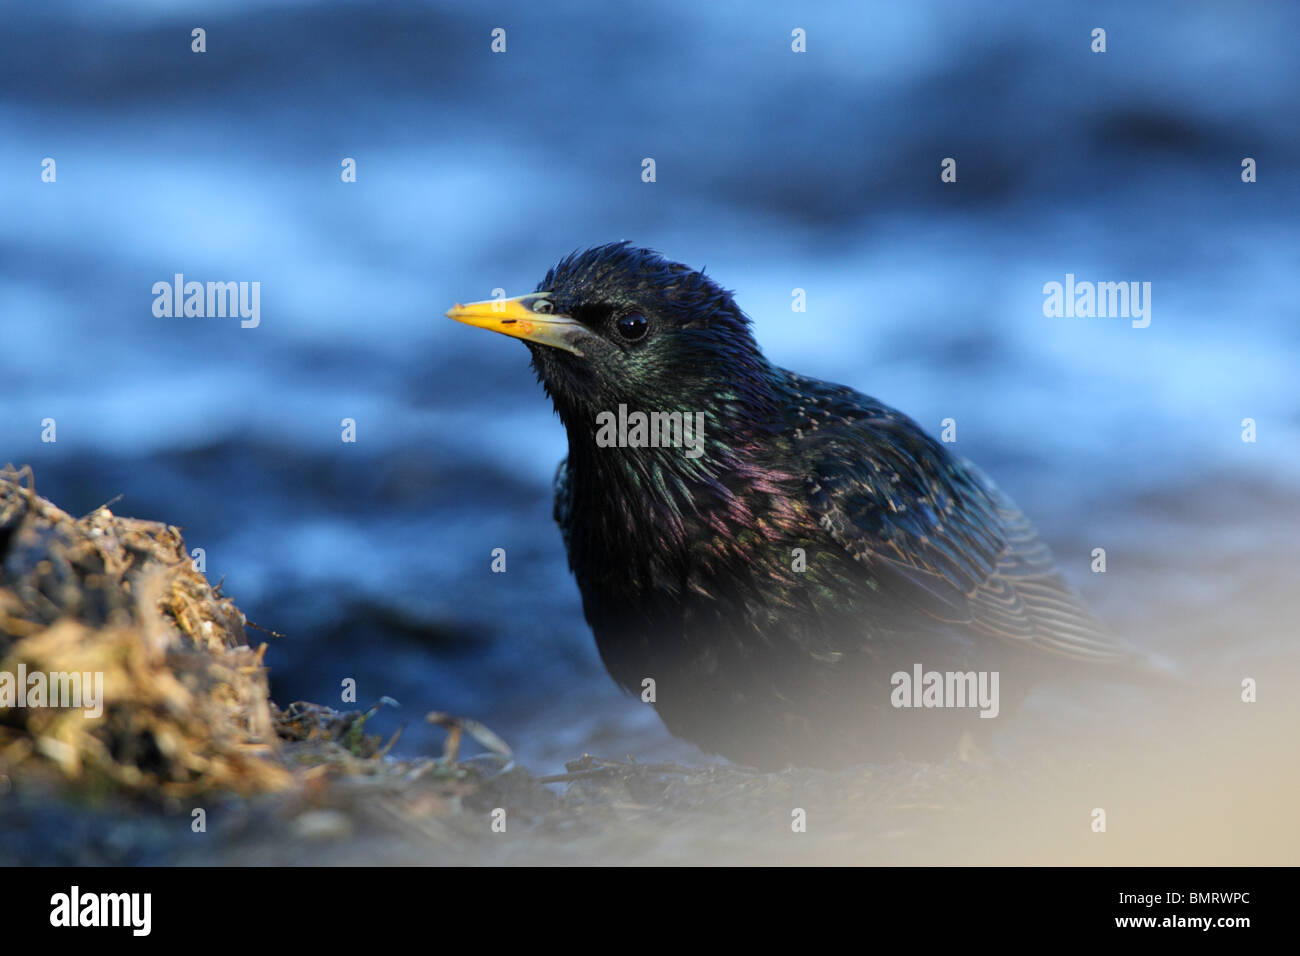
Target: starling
x,y
793,573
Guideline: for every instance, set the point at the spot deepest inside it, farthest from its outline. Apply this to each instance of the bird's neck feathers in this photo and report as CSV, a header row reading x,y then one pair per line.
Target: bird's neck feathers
x,y
664,496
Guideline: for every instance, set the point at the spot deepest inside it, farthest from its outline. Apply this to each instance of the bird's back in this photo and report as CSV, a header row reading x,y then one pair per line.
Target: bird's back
x,y
931,529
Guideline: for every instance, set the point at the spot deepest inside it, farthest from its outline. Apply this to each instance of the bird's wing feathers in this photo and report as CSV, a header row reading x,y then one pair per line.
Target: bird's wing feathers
x,y
933,531
1027,597
562,510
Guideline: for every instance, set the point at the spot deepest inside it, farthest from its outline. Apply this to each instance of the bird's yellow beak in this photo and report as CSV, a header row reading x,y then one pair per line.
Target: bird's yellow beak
x,y
519,318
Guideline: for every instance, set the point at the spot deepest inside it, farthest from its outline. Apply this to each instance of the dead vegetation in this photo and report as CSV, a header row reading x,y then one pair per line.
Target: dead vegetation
x,y
185,707
182,717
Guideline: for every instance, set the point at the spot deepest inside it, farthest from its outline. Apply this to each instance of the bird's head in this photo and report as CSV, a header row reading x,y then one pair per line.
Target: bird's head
x,y
618,324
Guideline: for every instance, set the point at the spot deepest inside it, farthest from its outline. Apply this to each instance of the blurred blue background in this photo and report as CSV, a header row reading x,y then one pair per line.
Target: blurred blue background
x,y
775,170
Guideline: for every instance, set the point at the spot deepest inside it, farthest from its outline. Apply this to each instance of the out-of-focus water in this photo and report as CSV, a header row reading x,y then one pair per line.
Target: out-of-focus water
x,y
476,171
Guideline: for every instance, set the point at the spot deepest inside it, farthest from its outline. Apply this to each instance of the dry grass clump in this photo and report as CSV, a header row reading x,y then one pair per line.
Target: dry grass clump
x,y
184,698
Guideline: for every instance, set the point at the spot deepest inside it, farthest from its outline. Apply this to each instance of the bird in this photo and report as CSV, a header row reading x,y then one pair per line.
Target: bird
x,y
780,580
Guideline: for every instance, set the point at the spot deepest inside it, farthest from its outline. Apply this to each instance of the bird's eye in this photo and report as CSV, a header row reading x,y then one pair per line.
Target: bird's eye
x,y
542,306
632,327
